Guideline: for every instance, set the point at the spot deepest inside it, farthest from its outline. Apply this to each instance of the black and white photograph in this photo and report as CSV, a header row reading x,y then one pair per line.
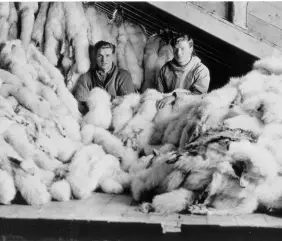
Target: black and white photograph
x,y
141,121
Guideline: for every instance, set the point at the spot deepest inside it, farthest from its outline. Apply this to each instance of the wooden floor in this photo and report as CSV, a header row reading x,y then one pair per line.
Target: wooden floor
x,y
104,216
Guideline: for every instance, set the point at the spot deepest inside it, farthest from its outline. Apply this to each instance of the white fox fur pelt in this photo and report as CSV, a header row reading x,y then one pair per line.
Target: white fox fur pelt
x,y
156,54
76,27
132,65
9,78
111,144
46,162
31,188
265,106
13,22
257,157
13,59
39,25
173,131
151,178
144,115
169,112
61,190
6,107
269,65
54,32
7,187
125,110
134,51
67,147
4,25
81,170
62,92
137,37
31,101
70,126
150,59
120,49
99,104
99,27
245,122
113,179
215,106
27,11
16,136
173,202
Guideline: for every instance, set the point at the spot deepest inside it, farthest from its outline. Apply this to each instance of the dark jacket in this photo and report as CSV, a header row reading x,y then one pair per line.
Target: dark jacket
x,y
194,76
118,82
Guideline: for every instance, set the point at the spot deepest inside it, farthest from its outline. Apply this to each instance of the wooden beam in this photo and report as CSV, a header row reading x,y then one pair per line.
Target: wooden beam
x,y
218,27
238,12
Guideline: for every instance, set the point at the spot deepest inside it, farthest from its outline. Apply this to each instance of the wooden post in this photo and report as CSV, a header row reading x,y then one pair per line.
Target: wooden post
x,y
238,13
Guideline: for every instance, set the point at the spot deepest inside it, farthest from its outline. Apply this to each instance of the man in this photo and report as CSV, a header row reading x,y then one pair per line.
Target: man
x,y
104,74
184,71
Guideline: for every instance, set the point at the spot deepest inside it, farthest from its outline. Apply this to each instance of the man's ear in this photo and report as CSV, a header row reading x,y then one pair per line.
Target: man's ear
x,y
191,43
156,152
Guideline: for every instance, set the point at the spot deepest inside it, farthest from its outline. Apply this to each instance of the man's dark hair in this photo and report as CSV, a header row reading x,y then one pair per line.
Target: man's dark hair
x,y
103,45
182,37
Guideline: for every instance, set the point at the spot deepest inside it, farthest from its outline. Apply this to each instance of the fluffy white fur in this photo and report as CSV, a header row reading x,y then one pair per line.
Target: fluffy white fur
x,y
99,104
4,25
140,127
27,11
175,201
114,146
39,25
125,110
54,31
269,65
13,22
13,59
61,191
7,187
31,188
76,27
81,169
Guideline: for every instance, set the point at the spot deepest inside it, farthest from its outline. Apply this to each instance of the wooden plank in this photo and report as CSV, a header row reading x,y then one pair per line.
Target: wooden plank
x,y
239,13
277,4
227,221
266,12
252,220
218,8
218,27
114,209
274,222
264,31
194,219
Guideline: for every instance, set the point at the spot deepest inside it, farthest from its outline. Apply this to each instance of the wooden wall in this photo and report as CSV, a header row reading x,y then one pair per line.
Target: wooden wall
x,y
264,19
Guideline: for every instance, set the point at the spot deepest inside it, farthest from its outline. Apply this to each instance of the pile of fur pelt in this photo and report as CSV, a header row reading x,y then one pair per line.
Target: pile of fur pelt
x,y
221,154
43,156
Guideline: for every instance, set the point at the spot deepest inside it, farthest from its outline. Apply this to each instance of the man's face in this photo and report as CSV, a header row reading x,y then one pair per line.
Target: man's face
x,y
182,52
104,58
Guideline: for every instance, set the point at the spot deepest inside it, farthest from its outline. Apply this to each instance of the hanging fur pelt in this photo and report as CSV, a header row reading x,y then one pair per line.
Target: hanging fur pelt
x,y
39,25
4,25
54,32
27,11
156,54
76,27
13,22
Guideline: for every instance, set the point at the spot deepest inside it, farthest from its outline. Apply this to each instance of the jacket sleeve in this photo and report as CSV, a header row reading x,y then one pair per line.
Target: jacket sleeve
x,y
83,88
81,92
126,84
160,81
202,81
